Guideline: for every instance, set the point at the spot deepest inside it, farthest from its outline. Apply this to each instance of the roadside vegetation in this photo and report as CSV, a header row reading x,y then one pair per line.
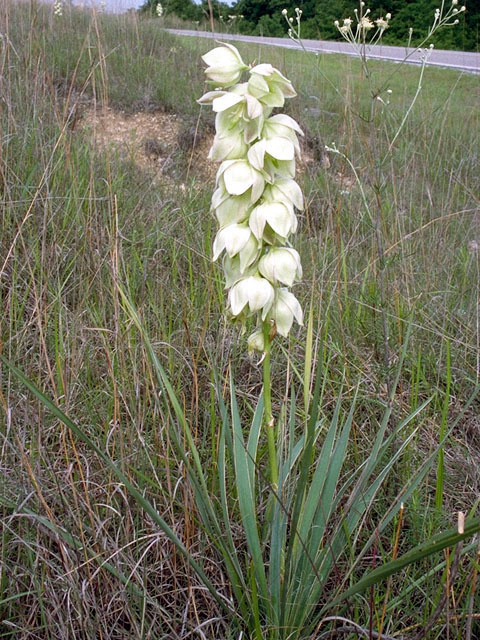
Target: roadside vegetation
x,y
105,261
264,18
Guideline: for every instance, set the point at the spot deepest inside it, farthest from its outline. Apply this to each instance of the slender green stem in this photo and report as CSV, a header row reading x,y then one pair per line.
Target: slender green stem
x,y
268,420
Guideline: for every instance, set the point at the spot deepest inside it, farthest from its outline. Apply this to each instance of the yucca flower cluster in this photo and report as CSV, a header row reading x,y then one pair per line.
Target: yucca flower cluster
x,y
256,194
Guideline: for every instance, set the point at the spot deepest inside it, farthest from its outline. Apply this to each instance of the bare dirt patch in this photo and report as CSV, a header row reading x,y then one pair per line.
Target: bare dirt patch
x,y
164,145
155,142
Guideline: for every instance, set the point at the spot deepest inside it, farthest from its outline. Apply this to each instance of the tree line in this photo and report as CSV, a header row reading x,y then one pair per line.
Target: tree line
x,y
264,17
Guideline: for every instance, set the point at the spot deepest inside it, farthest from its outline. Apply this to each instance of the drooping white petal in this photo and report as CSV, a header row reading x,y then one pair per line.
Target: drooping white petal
x,y
226,101
272,131
225,65
257,221
249,253
254,107
229,121
286,121
280,148
210,96
233,272
274,98
256,341
276,169
224,56
289,189
232,209
238,177
252,129
227,147
261,294
258,186
257,86
237,236
238,296
282,220
256,154
264,69
279,87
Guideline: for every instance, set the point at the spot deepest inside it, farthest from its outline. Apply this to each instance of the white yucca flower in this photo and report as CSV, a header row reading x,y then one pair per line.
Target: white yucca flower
x,y
255,196
281,264
279,217
159,10
225,65
285,310
253,292
269,86
237,239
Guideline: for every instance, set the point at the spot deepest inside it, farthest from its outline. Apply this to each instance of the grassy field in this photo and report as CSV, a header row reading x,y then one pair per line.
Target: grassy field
x,y
391,263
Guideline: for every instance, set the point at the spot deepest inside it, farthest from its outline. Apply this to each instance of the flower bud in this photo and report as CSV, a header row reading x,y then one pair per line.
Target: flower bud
x,y
256,341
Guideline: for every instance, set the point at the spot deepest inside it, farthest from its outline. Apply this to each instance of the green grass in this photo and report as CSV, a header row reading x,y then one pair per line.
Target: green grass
x,y
79,556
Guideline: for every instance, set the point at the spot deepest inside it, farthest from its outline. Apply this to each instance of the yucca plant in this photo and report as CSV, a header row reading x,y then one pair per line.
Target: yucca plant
x,y
290,519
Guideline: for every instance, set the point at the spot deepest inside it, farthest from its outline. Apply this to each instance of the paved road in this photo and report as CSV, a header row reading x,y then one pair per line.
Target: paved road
x,y
461,60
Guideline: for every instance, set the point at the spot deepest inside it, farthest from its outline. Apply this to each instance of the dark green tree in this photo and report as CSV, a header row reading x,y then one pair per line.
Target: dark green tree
x,y
264,17
185,9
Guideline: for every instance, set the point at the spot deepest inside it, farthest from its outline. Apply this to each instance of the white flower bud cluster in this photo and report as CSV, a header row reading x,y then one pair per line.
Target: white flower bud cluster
x,y
256,194
58,8
159,10
446,18
293,32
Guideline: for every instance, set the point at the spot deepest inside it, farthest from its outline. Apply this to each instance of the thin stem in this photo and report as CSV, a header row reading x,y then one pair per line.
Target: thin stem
x,y
268,420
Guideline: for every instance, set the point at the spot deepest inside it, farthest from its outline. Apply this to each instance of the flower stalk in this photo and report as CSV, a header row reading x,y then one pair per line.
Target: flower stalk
x,y
268,419
254,202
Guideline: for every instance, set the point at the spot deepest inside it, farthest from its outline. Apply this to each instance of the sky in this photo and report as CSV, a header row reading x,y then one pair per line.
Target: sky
x,y
122,5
